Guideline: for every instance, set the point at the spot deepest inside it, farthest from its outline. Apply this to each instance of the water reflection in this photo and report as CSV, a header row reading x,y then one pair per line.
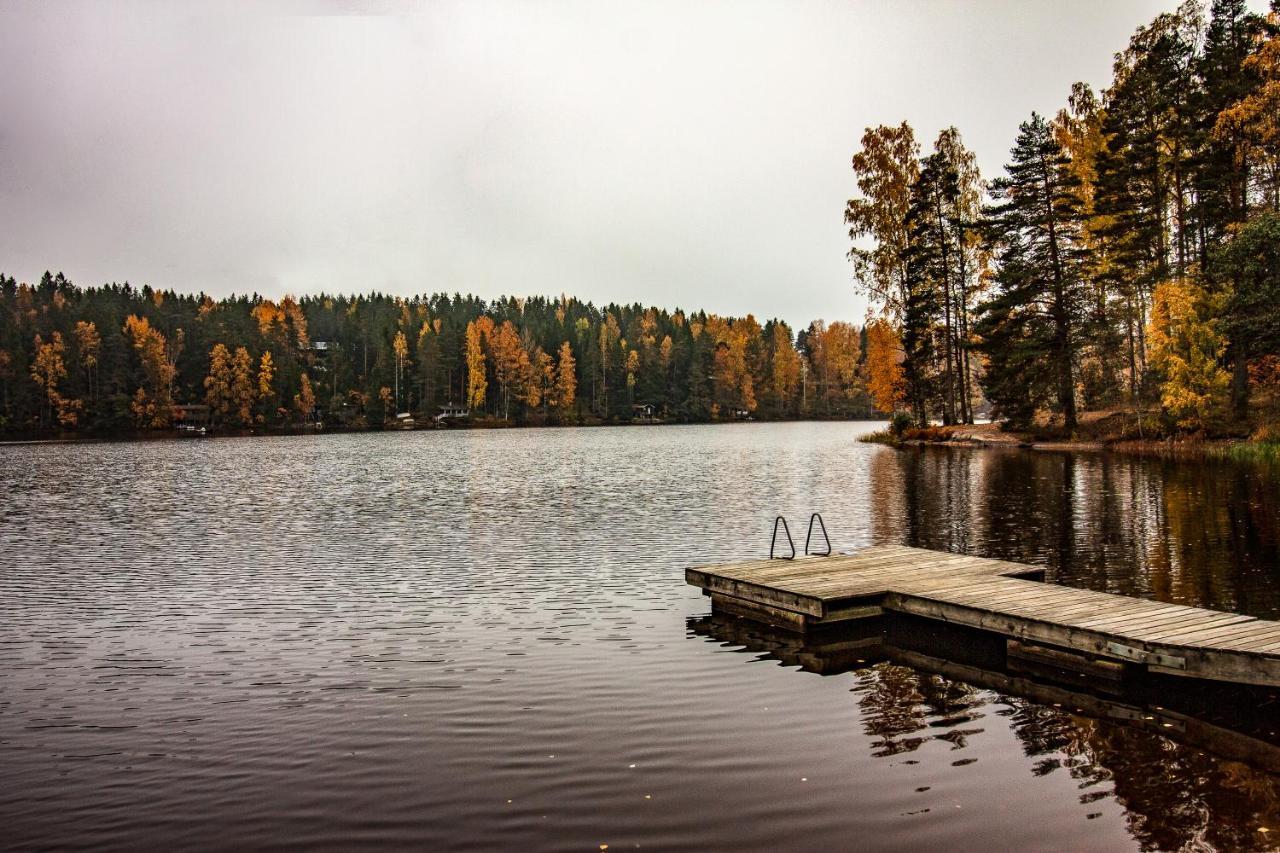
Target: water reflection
x,y
1192,767
1205,533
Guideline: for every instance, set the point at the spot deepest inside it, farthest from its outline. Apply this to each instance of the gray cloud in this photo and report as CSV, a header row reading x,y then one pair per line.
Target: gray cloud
x,y
669,153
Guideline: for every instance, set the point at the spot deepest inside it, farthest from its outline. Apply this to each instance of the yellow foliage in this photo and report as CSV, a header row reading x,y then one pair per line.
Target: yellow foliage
x,y
733,382
217,385
786,365
88,344
305,400
266,372
664,352
1186,347
47,369
566,381
1252,124
835,352
477,383
243,390
151,406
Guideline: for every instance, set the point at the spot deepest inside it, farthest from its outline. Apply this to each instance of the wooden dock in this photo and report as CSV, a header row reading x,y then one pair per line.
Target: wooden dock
x,y
1059,626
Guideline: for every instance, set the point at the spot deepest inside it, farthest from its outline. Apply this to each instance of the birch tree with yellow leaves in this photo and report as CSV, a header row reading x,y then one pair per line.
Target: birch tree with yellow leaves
x,y
48,368
152,404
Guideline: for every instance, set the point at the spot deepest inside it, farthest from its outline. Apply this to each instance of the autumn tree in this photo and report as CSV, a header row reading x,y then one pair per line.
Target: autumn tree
x,y
304,402
477,384
88,351
387,398
538,380
1187,348
1250,126
1109,339
48,368
785,376
508,359
566,386
243,387
732,381
886,167
884,366
834,352
633,368
609,337
400,346
217,385
266,373
152,402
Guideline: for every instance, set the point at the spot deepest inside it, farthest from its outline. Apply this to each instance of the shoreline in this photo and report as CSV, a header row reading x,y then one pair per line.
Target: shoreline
x,y
989,436
172,435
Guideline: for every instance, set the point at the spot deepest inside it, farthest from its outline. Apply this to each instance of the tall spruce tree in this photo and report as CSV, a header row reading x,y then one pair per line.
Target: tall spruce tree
x,y
1015,336
925,309
1036,232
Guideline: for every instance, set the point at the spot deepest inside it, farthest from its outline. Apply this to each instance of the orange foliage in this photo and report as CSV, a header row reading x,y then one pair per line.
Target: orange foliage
x,y
885,381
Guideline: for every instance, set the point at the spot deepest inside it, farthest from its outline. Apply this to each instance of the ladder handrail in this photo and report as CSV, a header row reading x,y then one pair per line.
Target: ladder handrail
x,y
822,525
774,542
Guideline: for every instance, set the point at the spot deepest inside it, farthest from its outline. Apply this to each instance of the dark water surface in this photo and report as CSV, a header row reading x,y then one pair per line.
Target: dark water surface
x,y
482,640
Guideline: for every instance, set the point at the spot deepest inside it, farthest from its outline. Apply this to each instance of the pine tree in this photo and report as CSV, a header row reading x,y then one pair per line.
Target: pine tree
x,y
1036,229
1015,336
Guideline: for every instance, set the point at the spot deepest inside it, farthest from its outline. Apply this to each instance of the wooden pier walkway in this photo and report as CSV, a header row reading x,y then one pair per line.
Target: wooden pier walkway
x,y
1056,623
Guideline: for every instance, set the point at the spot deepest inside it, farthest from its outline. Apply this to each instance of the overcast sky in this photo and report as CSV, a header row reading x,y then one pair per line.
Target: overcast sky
x,y
680,154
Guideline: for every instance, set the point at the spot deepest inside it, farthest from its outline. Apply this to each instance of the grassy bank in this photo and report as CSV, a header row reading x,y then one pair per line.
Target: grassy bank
x,y
1117,432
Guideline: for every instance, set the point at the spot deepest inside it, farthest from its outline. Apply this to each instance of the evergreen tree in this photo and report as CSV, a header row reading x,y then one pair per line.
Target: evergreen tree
x,y
1036,230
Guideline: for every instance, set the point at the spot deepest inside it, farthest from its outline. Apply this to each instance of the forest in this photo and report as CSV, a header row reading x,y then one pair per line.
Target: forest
x,y
122,359
1128,259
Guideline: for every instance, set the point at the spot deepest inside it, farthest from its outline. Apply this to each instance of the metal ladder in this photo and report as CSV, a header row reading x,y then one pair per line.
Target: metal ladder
x,y
773,544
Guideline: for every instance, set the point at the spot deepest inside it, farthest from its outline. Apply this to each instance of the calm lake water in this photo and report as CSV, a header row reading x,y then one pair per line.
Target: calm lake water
x,y
481,640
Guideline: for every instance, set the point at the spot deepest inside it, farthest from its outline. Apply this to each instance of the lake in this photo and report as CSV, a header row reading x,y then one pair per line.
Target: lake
x,y
483,639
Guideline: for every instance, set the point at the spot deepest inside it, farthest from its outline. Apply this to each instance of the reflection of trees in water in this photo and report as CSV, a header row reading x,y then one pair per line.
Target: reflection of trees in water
x,y
1198,533
1175,796
905,708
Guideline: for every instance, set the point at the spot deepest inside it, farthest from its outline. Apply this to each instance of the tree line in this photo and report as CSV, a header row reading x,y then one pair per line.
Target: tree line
x,y
1128,258
118,358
